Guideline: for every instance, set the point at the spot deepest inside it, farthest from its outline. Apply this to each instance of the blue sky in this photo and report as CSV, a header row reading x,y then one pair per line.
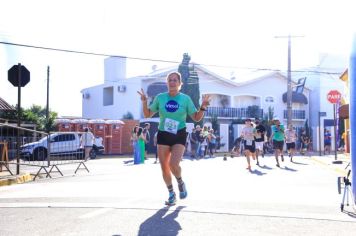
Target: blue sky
x,y
229,33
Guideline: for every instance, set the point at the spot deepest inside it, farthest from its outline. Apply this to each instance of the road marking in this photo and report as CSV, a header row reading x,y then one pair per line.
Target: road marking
x,y
336,169
95,213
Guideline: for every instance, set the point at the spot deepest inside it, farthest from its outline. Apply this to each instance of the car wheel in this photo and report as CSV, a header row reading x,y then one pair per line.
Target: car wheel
x,y
40,154
92,153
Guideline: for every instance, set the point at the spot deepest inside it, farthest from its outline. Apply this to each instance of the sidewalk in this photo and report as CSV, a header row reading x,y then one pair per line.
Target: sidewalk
x,y
7,179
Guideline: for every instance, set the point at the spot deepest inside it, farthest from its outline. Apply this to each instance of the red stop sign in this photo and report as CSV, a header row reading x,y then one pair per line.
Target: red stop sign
x,y
334,96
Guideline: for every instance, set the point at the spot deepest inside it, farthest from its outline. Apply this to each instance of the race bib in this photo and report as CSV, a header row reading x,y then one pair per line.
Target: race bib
x,y
249,142
171,126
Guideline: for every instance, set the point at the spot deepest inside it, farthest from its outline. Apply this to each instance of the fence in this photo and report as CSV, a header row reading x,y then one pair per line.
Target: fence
x,y
34,152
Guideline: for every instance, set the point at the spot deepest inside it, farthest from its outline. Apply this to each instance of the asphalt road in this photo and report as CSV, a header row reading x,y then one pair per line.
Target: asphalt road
x,y
119,198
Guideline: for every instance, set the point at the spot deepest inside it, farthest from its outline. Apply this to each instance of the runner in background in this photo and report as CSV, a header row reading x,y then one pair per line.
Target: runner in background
x,y
291,137
260,139
277,137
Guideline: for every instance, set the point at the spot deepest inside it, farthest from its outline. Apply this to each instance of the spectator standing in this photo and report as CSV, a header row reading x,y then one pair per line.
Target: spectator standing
x,y
146,134
304,140
141,144
155,144
193,143
327,142
87,142
211,142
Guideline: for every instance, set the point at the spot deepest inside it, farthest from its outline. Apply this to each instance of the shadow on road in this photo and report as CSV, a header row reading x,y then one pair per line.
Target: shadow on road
x,y
128,162
299,163
289,169
266,167
161,223
257,172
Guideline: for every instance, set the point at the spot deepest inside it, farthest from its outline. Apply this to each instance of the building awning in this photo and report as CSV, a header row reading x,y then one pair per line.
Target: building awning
x,y
156,88
344,111
296,98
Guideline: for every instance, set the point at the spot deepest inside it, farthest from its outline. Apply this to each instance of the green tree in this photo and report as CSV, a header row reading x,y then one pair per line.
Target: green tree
x,y
128,116
306,128
214,122
268,116
254,111
35,114
190,81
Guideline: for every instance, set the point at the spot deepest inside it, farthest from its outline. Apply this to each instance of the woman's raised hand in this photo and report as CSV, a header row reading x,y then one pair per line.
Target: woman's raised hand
x,y
143,95
206,100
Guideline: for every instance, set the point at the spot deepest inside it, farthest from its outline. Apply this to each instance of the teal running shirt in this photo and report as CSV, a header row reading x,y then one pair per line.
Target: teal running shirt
x,y
172,111
278,134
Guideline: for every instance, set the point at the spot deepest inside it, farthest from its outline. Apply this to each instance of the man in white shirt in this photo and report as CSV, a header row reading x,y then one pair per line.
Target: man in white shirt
x,y
87,141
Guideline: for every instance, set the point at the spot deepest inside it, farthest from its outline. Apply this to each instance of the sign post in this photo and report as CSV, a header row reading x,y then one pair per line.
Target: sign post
x,y
18,76
320,115
334,97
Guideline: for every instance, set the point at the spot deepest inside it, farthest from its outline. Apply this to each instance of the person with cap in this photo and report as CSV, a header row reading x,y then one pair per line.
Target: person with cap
x,y
173,108
277,138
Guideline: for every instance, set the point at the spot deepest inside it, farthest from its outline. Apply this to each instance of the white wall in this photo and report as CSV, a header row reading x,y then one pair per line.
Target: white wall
x,y
115,69
124,101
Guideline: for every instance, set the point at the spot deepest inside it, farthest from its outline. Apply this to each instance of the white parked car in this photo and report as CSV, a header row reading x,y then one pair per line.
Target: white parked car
x,y
61,144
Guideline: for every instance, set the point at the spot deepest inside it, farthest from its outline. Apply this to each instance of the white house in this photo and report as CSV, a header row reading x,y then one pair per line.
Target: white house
x,y
321,79
230,99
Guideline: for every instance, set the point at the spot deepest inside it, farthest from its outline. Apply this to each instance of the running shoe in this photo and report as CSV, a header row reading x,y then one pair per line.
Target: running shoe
x,y
277,164
182,191
171,199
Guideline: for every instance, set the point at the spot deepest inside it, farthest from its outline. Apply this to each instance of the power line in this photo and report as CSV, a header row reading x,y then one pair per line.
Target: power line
x,y
161,60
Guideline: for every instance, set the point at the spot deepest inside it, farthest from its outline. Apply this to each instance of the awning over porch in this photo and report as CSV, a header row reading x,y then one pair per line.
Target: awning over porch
x,y
296,98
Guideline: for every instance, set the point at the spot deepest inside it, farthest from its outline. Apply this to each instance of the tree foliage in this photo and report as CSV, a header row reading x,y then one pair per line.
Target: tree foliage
x,y
35,115
128,116
190,81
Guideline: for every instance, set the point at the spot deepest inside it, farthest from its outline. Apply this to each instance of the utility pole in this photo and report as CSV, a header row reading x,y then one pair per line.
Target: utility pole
x,y
289,78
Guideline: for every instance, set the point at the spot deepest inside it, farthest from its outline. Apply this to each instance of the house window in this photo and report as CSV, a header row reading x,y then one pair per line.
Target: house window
x,y
108,96
269,99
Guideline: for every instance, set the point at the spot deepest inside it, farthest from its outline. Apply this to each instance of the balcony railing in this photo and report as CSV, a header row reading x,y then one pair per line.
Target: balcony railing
x,y
296,114
237,113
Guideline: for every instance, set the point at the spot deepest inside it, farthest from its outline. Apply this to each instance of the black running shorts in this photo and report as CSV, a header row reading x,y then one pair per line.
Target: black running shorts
x,y
278,145
290,145
251,148
169,139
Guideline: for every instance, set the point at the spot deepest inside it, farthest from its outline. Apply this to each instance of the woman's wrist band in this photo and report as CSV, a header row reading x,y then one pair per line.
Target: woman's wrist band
x,y
202,108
